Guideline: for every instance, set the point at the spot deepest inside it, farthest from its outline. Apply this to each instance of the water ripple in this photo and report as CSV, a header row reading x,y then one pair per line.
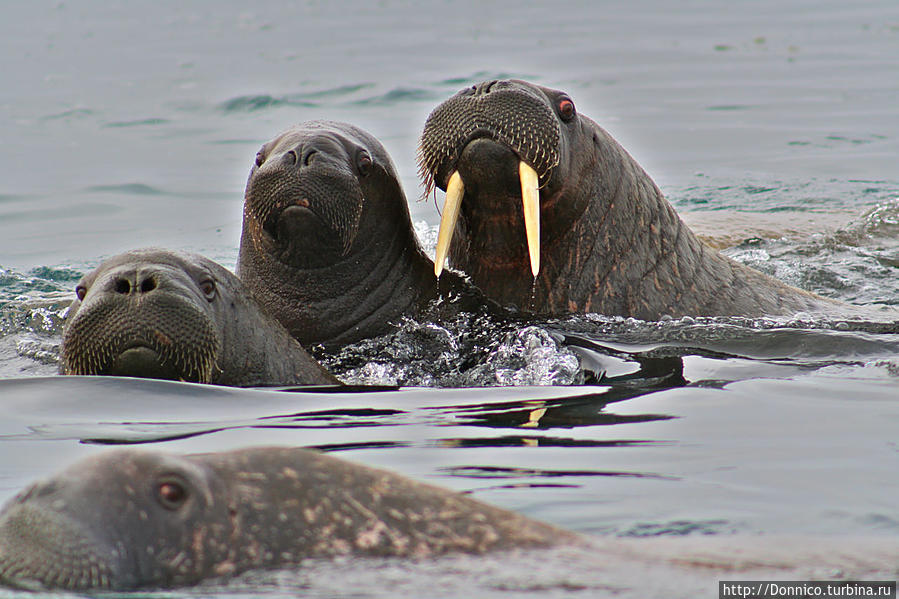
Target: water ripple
x,y
680,528
511,472
309,99
127,188
480,76
137,123
74,113
399,95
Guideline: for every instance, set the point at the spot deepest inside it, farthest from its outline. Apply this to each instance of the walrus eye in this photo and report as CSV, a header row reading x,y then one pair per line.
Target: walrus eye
x,y
171,494
364,162
80,292
208,288
260,158
566,109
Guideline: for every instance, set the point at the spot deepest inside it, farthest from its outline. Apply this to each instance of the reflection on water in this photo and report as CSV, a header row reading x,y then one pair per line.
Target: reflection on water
x,y
680,434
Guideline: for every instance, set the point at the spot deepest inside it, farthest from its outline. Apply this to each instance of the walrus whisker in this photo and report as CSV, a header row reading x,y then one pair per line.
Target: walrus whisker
x,y
455,190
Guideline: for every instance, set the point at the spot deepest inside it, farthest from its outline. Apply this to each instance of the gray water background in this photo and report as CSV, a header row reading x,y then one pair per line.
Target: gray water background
x,y
126,125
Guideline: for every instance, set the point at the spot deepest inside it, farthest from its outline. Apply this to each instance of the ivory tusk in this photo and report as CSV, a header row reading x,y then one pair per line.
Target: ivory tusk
x,y
455,189
530,198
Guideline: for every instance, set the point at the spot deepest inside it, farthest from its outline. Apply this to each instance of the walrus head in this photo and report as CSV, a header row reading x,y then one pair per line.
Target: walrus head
x,y
327,244
145,313
170,522
500,150
305,194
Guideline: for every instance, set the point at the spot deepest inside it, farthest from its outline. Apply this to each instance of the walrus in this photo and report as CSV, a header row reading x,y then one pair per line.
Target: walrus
x,y
158,313
327,244
128,519
545,211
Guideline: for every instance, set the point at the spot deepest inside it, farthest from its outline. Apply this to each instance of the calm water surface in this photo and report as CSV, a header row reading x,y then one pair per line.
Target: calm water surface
x,y
127,126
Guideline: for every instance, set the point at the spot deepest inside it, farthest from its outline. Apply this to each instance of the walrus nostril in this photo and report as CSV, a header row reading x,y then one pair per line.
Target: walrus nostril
x,y
147,285
123,286
291,157
482,89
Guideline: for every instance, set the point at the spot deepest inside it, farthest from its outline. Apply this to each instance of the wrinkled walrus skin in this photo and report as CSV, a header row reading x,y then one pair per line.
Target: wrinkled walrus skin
x,y
157,313
129,519
328,245
599,236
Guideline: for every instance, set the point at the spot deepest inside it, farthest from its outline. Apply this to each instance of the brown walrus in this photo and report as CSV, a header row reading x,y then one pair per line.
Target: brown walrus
x,y
328,245
547,212
162,314
129,519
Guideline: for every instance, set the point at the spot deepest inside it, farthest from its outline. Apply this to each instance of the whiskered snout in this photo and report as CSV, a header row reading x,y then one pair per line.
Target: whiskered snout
x,y
509,114
151,334
319,203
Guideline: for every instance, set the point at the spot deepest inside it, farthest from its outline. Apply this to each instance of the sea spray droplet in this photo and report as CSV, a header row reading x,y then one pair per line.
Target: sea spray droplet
x,y
465,351
528,356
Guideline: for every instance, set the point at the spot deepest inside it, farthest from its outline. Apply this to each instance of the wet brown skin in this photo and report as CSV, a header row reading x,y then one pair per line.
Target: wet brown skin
x,y
156,313
128,519
328,245
609,241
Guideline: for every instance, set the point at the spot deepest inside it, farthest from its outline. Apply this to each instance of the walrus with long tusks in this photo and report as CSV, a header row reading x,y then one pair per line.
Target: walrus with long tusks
x,y
130,519
328,245
162,314
547,212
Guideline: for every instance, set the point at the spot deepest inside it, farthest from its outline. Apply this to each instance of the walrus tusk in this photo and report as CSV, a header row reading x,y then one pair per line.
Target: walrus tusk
x,y
455,189
530,199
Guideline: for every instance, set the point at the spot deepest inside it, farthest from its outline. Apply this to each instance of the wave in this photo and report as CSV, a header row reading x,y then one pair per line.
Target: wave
x,y
309,99
127,188
137,123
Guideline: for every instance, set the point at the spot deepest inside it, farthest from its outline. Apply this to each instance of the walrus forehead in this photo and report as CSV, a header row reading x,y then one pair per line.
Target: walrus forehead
x,y
178,267
514,113
336,139
326,142
133,473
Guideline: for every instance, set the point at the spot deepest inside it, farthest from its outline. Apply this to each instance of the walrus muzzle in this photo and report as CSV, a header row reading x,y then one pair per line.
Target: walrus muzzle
x,y
40,550
309,213
159,336
502,112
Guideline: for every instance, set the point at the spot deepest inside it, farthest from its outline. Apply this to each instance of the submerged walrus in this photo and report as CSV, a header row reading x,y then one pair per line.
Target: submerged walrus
x,y
546,212
327,244
162,314
130,519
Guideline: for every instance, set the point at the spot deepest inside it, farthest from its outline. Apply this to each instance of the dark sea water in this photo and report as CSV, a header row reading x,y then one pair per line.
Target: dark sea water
x,y
132,124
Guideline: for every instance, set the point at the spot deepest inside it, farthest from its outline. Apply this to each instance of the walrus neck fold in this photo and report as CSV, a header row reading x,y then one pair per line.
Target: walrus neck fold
x,y
383,277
